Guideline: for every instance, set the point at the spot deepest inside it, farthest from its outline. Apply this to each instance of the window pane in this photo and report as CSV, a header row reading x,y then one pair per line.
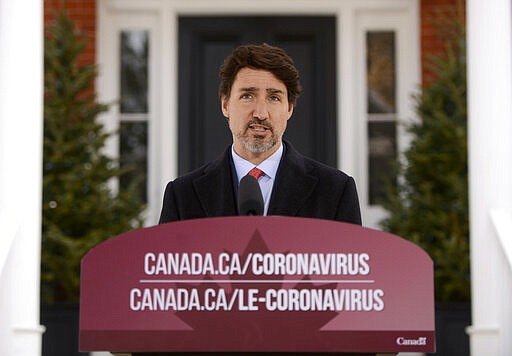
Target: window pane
x,y
134,71
382,149
381,96
134,144
381,72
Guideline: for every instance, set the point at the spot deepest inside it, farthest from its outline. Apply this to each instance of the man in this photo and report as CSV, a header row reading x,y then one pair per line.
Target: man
x,y
259,86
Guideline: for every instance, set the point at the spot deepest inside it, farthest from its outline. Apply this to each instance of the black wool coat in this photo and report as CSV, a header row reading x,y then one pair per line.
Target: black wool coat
x,y
303,188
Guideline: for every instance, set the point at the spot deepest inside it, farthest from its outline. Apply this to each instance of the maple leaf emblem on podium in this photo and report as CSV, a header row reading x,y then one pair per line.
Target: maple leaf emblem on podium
x,y
255,329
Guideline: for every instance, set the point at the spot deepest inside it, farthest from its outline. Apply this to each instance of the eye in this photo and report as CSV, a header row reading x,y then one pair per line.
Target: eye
x,y
275,98
246,96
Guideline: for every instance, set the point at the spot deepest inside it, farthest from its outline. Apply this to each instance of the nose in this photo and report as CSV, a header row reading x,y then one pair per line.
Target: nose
x,y
261,109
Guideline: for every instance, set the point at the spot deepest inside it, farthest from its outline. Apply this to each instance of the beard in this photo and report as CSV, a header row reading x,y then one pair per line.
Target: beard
x,y
258,143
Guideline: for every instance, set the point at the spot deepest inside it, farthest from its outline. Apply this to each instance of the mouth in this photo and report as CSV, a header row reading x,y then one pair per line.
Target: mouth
x,y
257,128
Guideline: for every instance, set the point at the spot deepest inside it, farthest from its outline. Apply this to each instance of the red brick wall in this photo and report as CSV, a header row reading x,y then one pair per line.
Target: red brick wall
x,y
83,13
431,42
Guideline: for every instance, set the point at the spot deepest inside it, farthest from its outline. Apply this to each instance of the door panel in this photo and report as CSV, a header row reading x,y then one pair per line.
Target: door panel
x,y
204,42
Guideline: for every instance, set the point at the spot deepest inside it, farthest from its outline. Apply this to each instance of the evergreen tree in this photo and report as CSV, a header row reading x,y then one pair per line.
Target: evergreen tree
x,y
80,209
428,204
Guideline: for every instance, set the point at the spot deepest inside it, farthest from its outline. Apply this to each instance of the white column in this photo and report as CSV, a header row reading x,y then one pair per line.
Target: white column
x,y
490,165
21,119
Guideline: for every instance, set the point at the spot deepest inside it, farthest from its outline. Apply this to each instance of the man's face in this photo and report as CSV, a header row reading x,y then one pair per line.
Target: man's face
x,y
257,111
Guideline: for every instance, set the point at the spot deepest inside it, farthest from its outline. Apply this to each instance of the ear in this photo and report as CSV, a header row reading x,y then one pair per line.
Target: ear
x,y
290,111
225,106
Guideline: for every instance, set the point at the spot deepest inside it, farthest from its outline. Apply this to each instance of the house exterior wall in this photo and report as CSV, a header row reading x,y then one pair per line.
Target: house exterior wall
x,y
83,12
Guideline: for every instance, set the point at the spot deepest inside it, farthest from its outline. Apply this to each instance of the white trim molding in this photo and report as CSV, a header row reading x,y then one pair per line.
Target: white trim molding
x,y
489,38
21,152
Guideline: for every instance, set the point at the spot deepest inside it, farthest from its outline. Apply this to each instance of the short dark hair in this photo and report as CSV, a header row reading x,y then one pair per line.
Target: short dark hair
x,y
260,56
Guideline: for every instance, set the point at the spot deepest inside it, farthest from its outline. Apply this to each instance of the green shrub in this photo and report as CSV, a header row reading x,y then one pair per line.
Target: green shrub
x,y
428,202
79,208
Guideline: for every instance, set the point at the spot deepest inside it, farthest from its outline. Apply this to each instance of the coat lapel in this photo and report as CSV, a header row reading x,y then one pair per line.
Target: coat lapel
x,y
215,188
293,185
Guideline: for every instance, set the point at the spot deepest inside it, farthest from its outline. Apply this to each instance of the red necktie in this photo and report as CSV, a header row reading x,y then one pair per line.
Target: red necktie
x,y
256,173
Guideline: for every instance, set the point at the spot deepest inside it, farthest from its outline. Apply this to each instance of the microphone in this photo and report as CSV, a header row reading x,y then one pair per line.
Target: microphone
x,y
250,199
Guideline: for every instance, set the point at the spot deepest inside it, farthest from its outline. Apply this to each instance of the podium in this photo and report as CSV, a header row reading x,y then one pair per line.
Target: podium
x,y
258,285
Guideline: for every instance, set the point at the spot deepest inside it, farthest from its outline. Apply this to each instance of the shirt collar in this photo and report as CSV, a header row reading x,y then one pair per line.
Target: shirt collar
x,y
269,166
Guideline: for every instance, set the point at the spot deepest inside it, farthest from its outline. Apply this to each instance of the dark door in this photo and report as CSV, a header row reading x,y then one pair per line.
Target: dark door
x,y
204,42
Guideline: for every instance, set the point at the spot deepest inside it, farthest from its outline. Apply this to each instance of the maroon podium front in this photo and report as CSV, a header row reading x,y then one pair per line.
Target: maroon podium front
x,y
257,284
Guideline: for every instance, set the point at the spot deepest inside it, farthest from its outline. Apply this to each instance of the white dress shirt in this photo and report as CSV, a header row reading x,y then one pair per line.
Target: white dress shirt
x,y
268,166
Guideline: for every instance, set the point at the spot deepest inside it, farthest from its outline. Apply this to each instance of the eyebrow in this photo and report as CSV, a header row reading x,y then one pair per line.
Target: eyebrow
x,y
269,90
